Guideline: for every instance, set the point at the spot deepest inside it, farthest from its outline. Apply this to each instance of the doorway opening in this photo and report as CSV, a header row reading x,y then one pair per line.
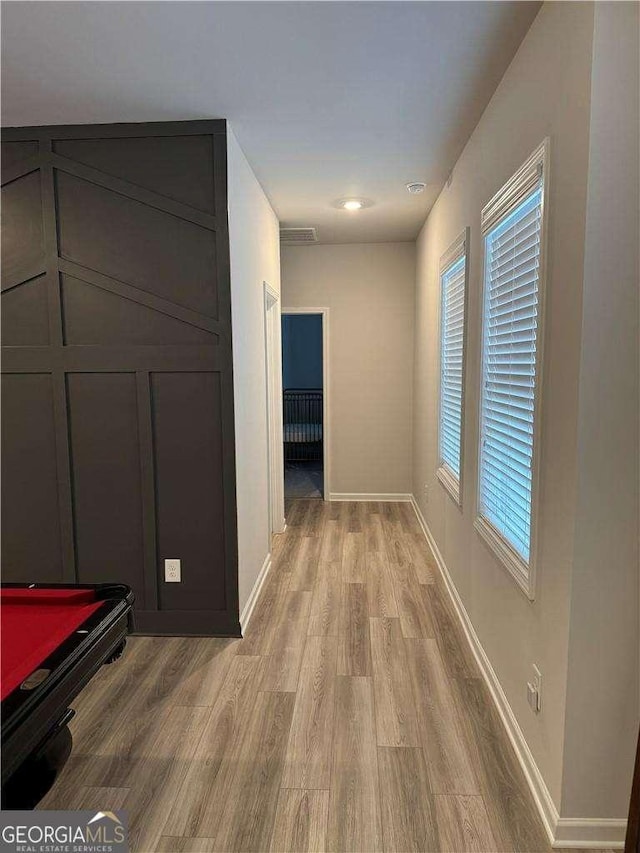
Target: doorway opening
x,y
304,402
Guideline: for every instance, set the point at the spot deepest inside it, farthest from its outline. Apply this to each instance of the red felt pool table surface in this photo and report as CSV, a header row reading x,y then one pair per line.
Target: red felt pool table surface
x,y
34,622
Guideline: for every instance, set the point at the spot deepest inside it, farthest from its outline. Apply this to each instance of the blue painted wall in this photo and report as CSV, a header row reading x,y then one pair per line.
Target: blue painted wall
x,y
302,351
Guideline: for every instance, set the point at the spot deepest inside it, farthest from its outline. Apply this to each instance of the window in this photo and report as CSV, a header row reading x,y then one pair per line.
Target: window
x,y
453,290
512,227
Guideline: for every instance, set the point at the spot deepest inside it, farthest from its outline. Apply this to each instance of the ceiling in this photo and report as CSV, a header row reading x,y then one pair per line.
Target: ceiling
x,y
327,99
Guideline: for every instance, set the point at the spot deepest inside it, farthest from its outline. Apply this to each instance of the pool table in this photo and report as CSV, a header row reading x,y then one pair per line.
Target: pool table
x,y
54,638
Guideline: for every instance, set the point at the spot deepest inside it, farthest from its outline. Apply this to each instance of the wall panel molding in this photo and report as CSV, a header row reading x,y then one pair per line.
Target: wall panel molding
x,y
124,230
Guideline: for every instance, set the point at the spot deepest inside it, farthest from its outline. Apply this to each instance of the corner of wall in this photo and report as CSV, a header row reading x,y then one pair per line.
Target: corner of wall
x,y
254,248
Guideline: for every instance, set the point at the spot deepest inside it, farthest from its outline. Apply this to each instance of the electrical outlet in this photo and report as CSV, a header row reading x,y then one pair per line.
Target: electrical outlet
x,y
425,490
534,690
172,571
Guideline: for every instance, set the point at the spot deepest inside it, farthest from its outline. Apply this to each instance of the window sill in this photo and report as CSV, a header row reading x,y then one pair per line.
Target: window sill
x,y
450,482
512,561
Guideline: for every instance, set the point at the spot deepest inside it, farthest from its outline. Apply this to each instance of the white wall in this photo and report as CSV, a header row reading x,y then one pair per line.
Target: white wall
x,y
602,695
254,245
545,92
368,289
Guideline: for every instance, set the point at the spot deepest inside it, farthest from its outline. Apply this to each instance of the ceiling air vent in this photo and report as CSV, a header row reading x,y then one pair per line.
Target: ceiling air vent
x,y
298,235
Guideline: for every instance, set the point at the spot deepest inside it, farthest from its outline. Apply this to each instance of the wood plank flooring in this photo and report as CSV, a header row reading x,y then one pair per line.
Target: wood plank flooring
x,y
349,718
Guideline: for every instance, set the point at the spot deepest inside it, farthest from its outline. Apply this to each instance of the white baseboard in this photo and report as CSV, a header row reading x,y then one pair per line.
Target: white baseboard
x,y
587,833
247,610
365,496
562,832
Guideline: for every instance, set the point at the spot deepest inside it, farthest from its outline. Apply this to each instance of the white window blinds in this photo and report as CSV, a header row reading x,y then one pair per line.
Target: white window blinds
x,y
452,284
512,246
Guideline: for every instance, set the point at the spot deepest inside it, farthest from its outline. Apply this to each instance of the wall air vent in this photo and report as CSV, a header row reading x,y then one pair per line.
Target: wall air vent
x,y
298,235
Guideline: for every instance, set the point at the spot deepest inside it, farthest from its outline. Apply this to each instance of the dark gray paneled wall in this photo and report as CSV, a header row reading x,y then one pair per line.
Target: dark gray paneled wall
x,y
117,394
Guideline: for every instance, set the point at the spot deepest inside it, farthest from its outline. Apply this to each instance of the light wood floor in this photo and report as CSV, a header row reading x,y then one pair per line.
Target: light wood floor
x,y
351,716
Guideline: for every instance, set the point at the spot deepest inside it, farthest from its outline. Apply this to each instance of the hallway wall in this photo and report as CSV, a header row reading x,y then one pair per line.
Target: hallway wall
x,y
575,80
545,92
254,248
603,642
369,290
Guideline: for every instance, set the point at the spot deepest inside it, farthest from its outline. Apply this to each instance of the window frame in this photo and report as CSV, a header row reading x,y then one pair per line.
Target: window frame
x,y
457,250
501,205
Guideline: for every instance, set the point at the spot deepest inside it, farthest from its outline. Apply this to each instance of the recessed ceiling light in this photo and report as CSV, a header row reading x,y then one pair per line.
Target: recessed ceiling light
x,y
352,203
416,187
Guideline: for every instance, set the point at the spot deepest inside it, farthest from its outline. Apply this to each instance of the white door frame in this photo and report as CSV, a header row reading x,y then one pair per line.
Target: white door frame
x,y
324,313
275,447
